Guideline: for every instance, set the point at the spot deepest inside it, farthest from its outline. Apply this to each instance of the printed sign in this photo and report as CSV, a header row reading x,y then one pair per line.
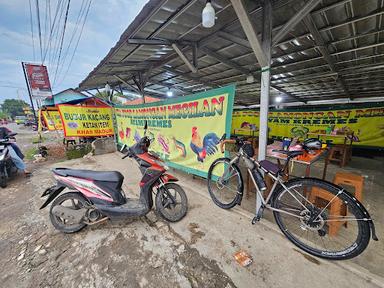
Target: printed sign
x,y
185,130
52,119
37,80
364,125
86,121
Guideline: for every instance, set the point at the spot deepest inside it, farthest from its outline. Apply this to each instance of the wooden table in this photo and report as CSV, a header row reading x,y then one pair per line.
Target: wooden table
x,y
346,148
305,159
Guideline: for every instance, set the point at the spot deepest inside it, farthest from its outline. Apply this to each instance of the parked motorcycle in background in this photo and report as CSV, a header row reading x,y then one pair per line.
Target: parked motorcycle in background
x,y
7,167
95,196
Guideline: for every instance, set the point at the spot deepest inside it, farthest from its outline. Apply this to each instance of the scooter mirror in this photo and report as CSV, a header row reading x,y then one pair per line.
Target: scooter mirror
x,y
145,127
123,148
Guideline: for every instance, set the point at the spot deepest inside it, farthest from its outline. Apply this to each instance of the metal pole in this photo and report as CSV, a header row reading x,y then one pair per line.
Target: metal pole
x,y
265,85
29,91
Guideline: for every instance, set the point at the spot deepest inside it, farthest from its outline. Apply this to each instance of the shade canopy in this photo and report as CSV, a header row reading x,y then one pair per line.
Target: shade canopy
x,y
333,51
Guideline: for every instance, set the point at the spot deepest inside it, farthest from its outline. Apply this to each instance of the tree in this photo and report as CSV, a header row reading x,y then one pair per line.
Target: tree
x,y
3,115
115,98
13,107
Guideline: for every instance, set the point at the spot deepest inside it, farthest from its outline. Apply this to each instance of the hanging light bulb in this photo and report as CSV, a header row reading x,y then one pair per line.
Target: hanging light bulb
x,y
208,15
250,79
169,93
278,99
107,88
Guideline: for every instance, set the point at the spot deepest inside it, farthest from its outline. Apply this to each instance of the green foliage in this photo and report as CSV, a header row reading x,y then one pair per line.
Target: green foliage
x,y
3,115
78,151
13,107
30,152
38,139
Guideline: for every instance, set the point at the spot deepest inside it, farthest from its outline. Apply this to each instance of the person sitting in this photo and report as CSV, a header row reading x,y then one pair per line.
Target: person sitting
x,y
14,152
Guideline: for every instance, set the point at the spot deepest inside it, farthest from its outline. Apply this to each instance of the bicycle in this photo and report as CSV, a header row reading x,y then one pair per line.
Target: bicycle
x,y
313,223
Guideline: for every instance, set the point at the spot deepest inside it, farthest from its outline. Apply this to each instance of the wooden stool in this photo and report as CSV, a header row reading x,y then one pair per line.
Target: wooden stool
x,y
336,207
349,179
339,153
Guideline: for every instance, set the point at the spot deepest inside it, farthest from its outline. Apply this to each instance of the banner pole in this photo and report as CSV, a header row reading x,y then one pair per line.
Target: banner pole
x,y
29,92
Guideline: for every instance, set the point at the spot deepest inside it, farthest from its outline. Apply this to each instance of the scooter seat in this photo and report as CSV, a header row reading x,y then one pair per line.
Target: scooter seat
x,y
104,176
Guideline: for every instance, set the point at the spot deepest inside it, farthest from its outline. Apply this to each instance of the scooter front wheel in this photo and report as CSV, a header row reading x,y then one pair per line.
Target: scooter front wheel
x,y
171,202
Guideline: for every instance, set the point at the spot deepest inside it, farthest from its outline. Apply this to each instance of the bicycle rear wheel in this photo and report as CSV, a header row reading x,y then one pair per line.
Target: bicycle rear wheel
x,y
322,219
225,183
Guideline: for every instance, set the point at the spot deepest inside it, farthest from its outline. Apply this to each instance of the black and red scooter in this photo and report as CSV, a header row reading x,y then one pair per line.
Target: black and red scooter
x,y
96,196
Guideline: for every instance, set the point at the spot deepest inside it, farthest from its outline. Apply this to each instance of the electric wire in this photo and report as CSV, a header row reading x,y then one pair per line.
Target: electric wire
x,y
31,23
39,28
52,28
55,31
78,40
62,40
79,16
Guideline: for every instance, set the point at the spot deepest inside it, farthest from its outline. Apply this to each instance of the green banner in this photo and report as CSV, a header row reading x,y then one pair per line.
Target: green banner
x,y
185,130
365,125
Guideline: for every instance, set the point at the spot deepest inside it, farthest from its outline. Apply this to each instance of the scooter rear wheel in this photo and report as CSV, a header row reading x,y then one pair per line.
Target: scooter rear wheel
x,y
170,210
78,202
3,180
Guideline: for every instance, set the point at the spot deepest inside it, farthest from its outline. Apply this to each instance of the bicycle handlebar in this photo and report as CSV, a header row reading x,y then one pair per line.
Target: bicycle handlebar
x,y
231,141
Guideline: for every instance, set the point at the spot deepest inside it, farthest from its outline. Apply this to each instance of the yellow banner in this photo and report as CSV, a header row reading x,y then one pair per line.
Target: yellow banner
x,y
86,121
52,119
185,130
364,125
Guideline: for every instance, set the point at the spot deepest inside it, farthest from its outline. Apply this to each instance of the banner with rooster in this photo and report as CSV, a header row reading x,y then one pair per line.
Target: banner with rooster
x,y
185,131
364,124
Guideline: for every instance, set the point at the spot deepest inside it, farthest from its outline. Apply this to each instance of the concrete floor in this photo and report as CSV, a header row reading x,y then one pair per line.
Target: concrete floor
x,y
372,170
277,262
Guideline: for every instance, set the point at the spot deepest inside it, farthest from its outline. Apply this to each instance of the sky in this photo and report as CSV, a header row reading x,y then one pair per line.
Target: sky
x,y
106,21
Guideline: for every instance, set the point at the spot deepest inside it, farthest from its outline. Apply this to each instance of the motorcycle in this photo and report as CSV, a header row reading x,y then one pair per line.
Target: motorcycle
x,y
96,196
7,167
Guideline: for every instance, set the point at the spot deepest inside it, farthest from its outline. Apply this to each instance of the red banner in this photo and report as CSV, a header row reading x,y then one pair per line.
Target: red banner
x,y
38,80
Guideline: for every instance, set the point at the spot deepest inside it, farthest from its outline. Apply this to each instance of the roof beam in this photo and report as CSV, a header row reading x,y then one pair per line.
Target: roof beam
x,y
148,41
295,20
126,83
225,60
245,20
184,58
188,76
235,39
234,65
323,50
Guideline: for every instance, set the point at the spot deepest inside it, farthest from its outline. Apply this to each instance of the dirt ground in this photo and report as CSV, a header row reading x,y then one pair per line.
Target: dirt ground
x,y
147,252
142,252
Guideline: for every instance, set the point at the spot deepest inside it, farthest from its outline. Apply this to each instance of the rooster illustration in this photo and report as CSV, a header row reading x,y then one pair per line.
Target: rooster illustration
x,y
205,146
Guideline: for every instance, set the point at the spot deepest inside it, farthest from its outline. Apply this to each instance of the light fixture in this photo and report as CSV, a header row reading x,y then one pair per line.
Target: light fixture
x,y
107,88
208,15
278,99
108,91
296,42
250,79
169,93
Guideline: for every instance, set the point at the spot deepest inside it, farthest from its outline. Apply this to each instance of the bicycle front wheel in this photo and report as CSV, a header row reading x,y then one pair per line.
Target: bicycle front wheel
x,y
225,183
321,219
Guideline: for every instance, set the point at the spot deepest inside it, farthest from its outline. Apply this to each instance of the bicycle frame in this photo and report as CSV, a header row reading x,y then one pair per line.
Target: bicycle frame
x,y
265,201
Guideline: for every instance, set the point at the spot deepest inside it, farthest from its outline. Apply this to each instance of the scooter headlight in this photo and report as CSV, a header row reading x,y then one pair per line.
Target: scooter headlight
x,y
2,157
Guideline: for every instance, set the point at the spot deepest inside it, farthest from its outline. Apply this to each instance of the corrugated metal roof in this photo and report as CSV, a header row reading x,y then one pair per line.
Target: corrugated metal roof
x,y
351,32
